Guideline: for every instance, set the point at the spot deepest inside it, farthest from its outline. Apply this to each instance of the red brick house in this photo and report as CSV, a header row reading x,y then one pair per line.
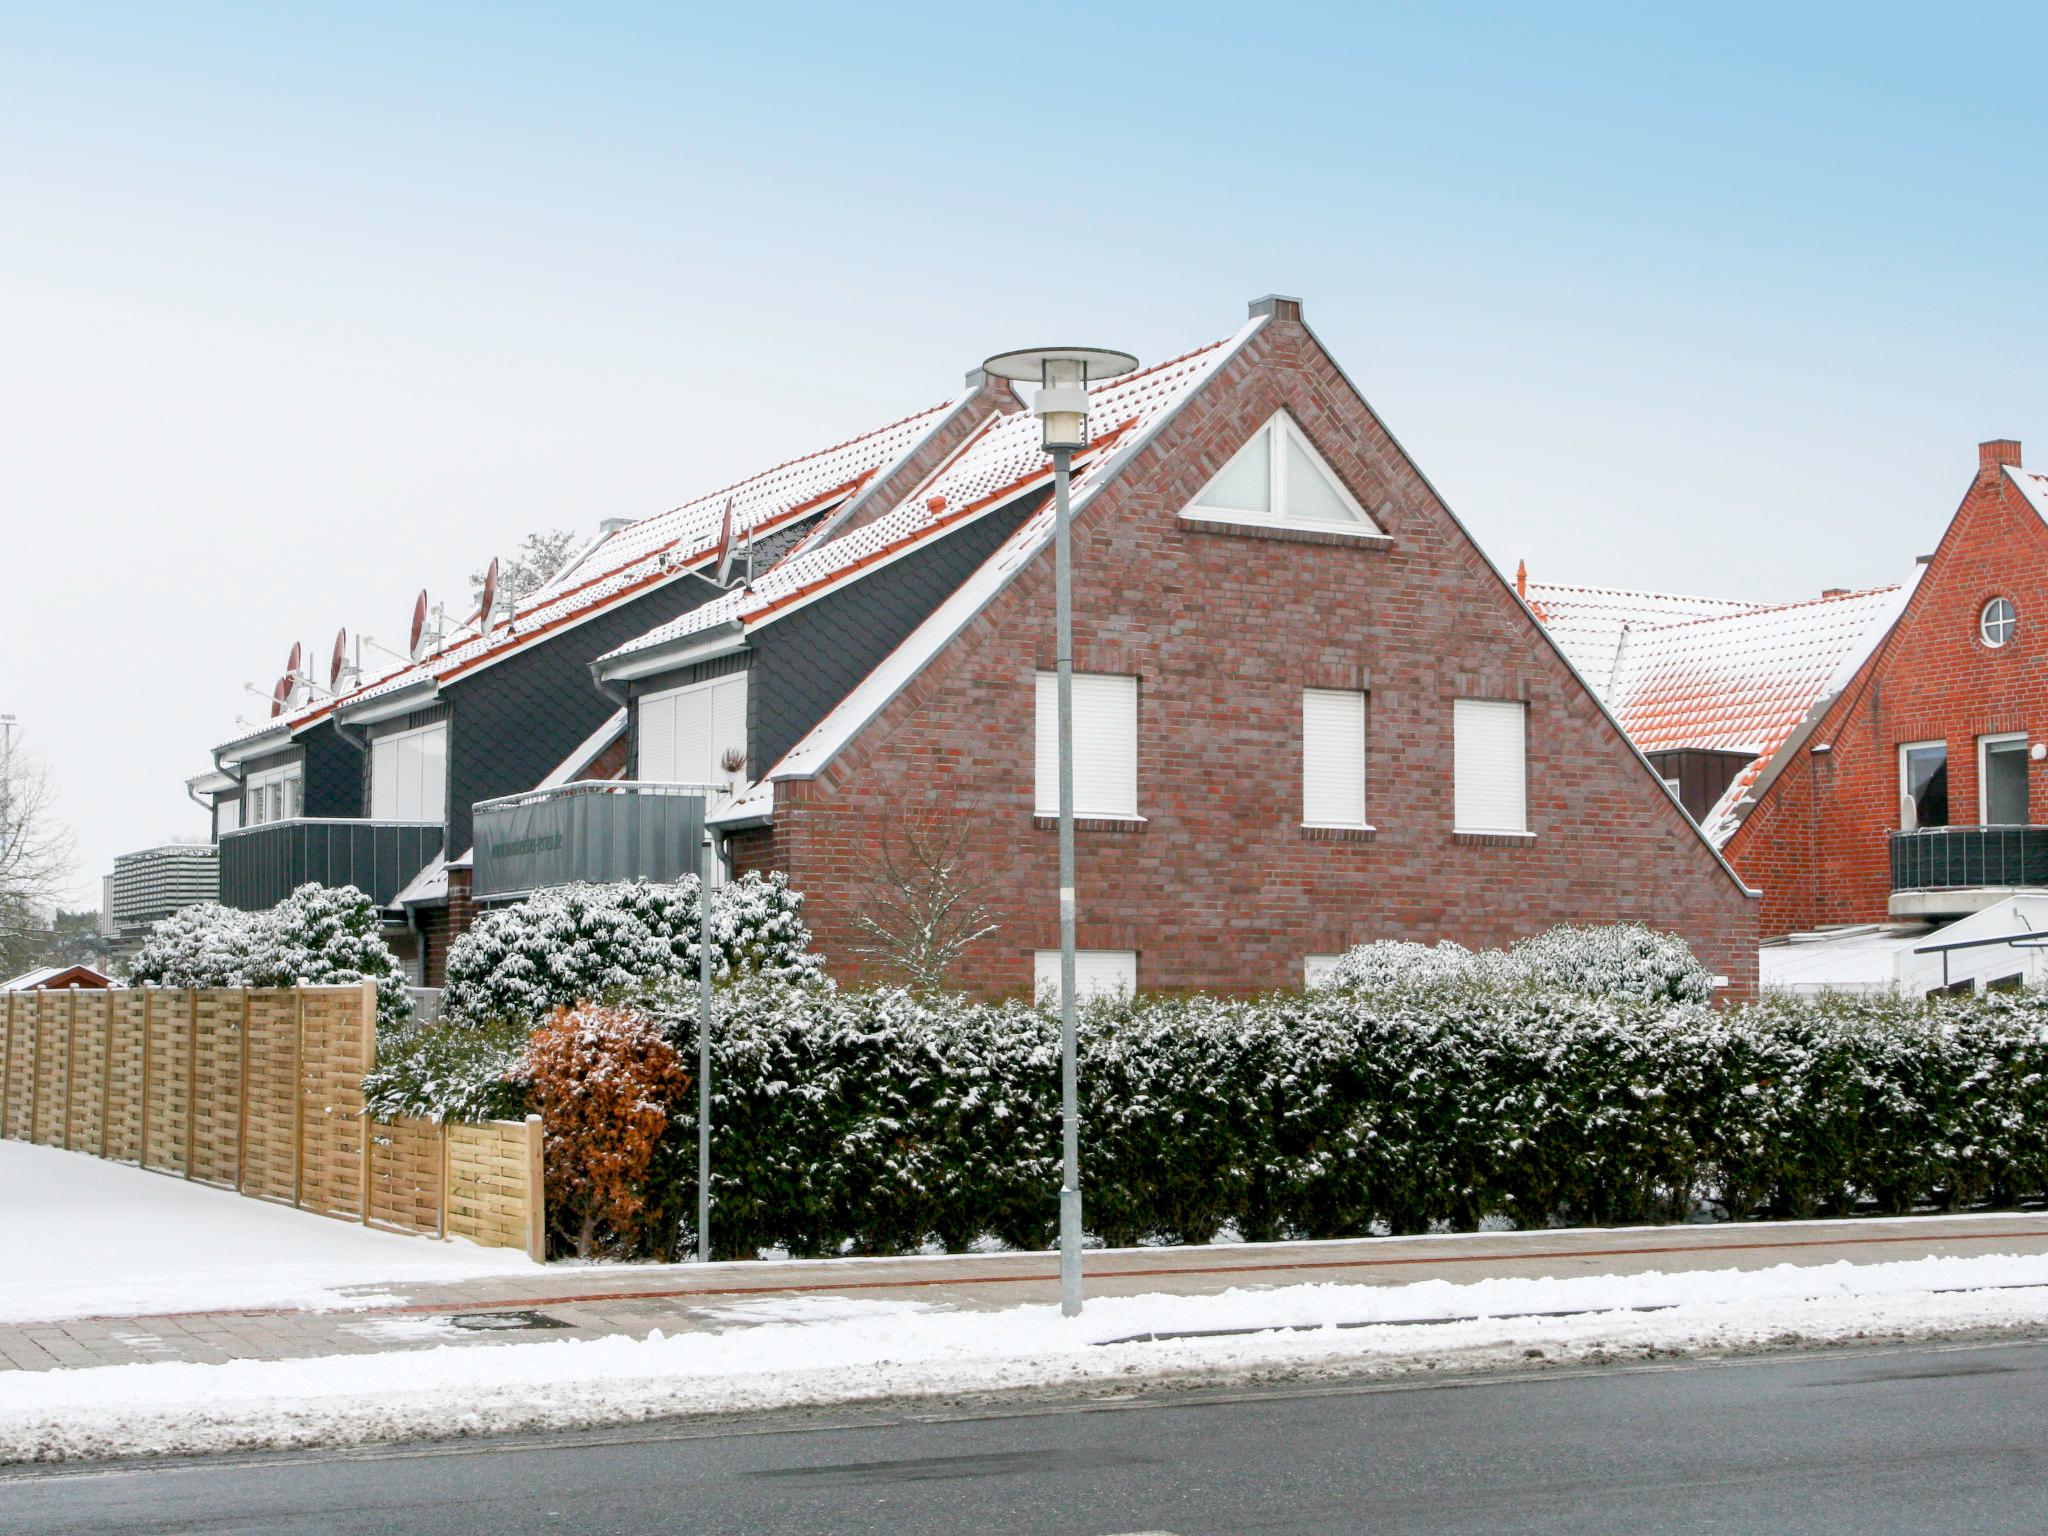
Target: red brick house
x,y
1311,712
1910,793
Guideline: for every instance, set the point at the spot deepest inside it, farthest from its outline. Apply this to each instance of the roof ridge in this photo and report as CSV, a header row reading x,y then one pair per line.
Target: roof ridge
x,y
1682,597
1761,610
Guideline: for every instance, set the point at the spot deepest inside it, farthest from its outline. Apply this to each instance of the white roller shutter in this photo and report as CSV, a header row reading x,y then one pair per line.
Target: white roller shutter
x,y
1332,758
1105,745
686,732
1097,973
384,779
1489,766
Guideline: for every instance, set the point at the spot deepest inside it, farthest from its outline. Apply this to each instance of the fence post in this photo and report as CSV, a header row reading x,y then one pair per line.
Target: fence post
x,y
299,1098
6,1058
148,1012
369,1044
70,1060
536,1193
191,1078
446,1183
242,1102
35,1074
106,1072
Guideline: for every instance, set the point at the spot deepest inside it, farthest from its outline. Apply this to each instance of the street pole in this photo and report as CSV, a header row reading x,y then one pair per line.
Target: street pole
x,y
704,1040
1070,1074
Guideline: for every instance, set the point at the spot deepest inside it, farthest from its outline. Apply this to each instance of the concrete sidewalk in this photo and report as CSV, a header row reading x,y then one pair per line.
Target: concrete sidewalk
x,y
570,1301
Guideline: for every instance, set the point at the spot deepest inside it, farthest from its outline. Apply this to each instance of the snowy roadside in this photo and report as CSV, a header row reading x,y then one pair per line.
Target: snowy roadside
x,y
804,1351
104,1239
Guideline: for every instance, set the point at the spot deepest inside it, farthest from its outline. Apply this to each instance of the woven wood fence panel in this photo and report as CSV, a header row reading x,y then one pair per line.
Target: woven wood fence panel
x,y
259,1090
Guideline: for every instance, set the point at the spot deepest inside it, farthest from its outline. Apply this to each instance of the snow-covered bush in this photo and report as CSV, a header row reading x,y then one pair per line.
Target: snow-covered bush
x,y
604,1079
438,1073
206,945
1618,960
597,943
318,935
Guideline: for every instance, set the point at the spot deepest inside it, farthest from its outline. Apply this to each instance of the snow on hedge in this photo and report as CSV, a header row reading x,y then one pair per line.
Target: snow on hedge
x,y
598,943
316,936
1613,960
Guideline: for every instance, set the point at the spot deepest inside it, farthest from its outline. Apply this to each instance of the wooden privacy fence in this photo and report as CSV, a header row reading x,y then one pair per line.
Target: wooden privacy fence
x,y
259,1090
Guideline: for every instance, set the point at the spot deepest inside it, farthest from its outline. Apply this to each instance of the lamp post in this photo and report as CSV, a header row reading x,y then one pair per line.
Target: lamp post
x,y
1061,404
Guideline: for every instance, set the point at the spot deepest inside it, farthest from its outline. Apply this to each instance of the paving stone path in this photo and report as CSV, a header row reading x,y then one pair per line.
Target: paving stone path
x,y
575,1301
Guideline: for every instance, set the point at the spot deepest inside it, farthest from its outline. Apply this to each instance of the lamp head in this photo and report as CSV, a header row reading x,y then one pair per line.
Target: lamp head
x,y
1063,375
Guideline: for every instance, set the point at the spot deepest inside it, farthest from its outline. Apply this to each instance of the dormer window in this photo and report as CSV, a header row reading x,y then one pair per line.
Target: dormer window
x,y
1995,624
1278,478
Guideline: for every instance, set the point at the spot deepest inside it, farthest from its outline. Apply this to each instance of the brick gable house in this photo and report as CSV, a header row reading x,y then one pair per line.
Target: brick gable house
x,y
1911,792
1311,712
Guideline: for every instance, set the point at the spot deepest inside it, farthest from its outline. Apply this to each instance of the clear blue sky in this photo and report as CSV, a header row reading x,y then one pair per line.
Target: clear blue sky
x,y
303,307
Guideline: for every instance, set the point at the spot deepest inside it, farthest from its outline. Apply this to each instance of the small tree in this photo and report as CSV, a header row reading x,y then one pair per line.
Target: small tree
x,y
603,1079
37,852
922,907
530,566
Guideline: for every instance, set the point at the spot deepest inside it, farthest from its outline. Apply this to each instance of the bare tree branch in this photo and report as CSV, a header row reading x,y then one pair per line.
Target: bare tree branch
x,y
37,854
922,906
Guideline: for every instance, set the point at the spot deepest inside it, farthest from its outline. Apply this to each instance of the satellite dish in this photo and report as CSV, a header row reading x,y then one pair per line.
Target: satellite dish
x,y
487,615
280,693
339,659
293,667
419,624
725,545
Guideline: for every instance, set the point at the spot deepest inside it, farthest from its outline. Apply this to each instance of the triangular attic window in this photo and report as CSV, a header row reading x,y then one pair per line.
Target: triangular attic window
x,y
1278,477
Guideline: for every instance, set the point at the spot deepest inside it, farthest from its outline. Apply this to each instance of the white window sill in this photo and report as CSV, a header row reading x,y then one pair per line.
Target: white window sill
x,y
1502,833
1251,527
1092,821
1338,826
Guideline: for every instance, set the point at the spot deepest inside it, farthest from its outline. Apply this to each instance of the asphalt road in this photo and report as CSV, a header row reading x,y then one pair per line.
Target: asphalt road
x,y
1924,1439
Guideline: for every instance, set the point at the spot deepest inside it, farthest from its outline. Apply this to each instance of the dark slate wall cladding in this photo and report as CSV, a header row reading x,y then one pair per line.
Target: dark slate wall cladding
x,y
805,664
681,677
517,719
334,773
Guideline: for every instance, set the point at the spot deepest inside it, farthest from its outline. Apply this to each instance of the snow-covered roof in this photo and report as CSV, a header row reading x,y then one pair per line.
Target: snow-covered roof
x,y
1712,673
2033,485
636,558
1000,460
43,975
1859,959
999,463
1587,622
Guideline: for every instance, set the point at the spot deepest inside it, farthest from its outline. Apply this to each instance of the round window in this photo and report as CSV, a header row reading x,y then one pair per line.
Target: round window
x,y
1996,622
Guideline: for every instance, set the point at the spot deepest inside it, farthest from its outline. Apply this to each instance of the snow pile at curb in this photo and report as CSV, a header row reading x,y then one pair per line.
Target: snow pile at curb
x,y
788,1352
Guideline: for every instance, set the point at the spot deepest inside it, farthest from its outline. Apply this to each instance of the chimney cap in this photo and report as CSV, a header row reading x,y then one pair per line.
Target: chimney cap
x,y
1834,591
1998,450
1276,306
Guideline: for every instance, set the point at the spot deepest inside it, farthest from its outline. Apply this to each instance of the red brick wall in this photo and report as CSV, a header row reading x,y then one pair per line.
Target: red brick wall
x,y
1221,888
1816,842
442,926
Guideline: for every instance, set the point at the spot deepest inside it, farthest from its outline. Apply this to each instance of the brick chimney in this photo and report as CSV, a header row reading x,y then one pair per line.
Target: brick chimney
x,y
1834,592
1997,452
1276,306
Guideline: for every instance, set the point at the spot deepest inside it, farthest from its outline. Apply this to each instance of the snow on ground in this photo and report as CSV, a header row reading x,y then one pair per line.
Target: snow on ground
x,y
86,1237
785,1352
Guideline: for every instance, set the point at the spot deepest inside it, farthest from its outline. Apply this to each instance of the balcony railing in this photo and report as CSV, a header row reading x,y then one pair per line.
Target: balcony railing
x,y
597,830
1969,858
260,866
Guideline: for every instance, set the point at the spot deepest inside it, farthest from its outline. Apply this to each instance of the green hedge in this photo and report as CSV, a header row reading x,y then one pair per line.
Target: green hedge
x,y
874,1122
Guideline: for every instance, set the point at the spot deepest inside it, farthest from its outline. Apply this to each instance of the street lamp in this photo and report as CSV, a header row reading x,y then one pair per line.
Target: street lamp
x,y
1061,404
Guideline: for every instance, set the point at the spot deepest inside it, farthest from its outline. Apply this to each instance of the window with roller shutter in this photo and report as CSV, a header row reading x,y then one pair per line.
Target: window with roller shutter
x,y
1105,746
687,734
1332,758
409,775
1490,766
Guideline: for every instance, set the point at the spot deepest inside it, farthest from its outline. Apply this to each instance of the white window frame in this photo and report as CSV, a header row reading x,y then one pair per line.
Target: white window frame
x,y
1090,980
1464,706
2011,621
1905,795
1312,698
276,794
227,815
1108,789
1283,430
1984,745
731,683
